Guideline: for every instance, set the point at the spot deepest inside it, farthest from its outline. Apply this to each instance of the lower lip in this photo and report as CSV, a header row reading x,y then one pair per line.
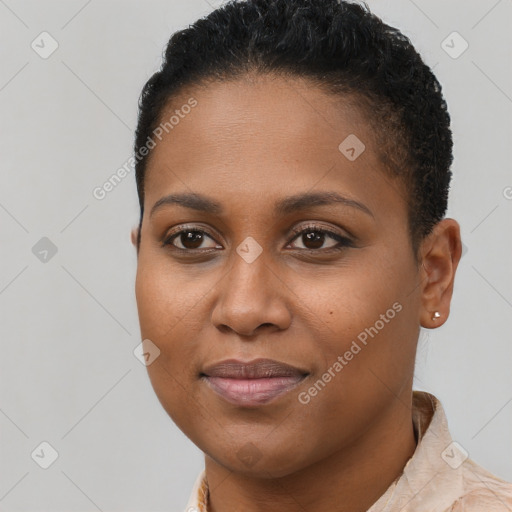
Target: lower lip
x,y
252,392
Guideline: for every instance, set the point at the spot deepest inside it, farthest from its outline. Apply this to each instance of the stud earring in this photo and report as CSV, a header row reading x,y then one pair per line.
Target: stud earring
x,y
436,315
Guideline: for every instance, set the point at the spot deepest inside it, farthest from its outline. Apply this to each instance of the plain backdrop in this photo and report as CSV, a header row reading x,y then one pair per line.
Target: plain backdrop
x,y
69,322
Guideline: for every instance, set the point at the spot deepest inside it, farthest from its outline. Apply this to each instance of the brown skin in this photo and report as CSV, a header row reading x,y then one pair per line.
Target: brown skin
x,y
248,144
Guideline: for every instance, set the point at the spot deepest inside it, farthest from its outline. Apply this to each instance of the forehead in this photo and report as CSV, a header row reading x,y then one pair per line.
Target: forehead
x,y
265,106
262,134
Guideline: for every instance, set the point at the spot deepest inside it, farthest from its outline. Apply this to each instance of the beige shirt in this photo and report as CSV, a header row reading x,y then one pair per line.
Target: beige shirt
x,y
439,477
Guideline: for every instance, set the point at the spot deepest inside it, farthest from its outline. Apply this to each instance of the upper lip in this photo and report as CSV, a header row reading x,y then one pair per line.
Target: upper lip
x,y
255,369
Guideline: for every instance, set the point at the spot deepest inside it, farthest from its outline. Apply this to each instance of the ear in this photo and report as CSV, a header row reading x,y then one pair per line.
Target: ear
x,y
134,235
440,254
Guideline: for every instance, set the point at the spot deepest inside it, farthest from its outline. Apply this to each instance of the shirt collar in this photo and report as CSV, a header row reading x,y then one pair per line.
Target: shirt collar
x,y
432,478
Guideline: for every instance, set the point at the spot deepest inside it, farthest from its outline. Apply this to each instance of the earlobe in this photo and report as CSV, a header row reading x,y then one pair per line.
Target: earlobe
x,y
134,234
441,254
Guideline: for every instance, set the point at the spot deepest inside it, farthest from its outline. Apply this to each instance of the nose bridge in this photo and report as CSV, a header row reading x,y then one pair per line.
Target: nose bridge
x,y
249,278
251,294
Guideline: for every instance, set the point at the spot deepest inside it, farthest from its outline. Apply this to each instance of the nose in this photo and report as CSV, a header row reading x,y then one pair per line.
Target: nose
x,y
252,297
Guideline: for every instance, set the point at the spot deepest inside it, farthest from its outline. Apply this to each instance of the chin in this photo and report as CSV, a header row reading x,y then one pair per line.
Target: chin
x,y
252,462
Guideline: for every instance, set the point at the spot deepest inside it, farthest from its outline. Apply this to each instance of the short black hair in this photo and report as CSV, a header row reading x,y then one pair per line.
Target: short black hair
x,y
339,46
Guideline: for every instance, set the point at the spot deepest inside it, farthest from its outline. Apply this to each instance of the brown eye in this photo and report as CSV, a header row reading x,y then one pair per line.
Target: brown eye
x,y
313,238
189,239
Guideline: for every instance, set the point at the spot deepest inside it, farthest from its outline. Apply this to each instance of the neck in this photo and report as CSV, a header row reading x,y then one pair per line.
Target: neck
x,y
351,479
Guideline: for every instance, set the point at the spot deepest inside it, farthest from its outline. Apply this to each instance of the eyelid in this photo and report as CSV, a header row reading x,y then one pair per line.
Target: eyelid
x,y
312,226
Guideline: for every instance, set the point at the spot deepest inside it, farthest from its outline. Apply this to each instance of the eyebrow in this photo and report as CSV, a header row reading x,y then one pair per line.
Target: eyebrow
x,y
284,206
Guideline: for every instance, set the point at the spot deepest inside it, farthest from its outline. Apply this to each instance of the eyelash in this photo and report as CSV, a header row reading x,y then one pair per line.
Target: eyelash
x,y
343,241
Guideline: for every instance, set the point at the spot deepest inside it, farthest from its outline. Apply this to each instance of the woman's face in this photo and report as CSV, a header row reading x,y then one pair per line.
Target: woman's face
x,y
242,283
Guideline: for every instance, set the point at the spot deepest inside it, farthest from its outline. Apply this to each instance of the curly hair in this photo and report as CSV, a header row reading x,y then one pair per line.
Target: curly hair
x,y
340,47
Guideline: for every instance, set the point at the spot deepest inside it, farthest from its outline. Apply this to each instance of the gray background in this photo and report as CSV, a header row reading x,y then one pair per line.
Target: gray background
x,y
69,324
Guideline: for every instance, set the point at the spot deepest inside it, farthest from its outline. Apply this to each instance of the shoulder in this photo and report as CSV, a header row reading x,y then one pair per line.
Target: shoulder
x,y
483,491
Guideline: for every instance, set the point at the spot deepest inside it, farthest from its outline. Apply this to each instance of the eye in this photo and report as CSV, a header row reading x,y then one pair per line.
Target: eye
x,y
190,239
314,237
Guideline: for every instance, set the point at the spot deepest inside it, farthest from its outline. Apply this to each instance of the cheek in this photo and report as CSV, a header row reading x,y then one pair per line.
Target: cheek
x,y
347,300
166,316
164,298
366,363
366,326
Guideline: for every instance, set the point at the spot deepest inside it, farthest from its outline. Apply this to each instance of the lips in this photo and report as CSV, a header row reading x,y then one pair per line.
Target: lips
x,y
253,383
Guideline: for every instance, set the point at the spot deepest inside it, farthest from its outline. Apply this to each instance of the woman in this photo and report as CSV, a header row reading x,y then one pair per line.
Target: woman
x,y
293,169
